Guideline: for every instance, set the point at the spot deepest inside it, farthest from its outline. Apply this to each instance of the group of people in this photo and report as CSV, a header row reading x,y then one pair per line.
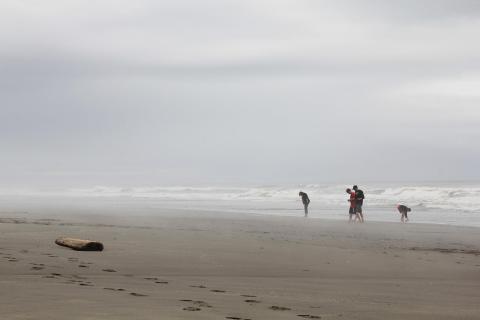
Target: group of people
x,y
356,203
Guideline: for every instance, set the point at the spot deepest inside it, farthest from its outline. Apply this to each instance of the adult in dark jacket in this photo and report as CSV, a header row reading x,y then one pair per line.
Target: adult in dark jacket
x,y
305,200
359,196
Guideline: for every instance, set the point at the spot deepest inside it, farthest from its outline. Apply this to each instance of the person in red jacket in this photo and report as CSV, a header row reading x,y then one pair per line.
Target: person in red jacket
x,y
353,205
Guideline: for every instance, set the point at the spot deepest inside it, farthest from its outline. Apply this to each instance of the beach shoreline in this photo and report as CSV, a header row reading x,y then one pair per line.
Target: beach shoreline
x,y
48,204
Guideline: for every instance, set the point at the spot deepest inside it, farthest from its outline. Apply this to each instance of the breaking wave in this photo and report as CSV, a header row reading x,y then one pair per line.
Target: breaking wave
x,y
459,198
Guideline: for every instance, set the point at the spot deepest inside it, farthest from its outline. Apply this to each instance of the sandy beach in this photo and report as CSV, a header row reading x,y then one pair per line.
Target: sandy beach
x,y
184,264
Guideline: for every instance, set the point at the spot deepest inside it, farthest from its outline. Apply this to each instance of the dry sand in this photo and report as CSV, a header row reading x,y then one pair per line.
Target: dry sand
x,y
173,264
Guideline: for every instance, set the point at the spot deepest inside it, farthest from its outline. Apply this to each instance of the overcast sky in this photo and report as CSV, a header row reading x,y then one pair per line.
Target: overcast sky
x,y
183,92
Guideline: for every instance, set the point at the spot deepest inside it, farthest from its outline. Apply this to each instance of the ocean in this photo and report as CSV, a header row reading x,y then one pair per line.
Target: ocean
x,y
455,203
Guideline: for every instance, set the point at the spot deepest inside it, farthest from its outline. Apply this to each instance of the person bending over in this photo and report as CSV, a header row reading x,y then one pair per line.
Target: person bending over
x,y
404,210
305,200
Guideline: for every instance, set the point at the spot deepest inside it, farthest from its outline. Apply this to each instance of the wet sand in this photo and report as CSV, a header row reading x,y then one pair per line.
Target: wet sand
x,y
177,264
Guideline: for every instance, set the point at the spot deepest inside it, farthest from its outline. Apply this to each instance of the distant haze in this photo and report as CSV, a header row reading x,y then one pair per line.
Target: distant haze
x,y
238,92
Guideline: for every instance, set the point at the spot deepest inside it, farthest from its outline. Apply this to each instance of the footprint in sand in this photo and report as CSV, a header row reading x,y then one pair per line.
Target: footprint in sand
x,y
248,296
83,266
203,304
156,280
109,270
216,290
192,309
252,301
37,268
199,286
308,316
46,254
85,284
278,308
113,289
197,303
237,318
135,294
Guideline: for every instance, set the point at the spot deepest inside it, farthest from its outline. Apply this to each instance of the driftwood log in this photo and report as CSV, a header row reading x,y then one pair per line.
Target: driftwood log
x,y
79,244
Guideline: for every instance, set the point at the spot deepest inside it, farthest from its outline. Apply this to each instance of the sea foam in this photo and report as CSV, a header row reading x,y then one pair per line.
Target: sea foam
x,y
456,197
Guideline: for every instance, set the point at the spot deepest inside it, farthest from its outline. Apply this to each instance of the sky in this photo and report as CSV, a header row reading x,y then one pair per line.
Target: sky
x,y
215,92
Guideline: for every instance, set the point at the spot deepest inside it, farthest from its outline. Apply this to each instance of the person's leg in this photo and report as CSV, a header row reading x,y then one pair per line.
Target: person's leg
x,y
306,209
402,218
406,216
360,212
354,214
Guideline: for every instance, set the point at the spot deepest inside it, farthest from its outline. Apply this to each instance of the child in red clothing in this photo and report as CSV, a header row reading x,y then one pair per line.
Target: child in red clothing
x,y
353,204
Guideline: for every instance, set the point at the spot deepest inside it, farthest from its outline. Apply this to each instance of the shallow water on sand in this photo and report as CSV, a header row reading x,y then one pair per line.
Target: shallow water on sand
x,y
294,208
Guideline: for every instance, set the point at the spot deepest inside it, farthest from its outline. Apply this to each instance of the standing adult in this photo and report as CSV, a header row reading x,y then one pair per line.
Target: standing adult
x,y
305,200
359,197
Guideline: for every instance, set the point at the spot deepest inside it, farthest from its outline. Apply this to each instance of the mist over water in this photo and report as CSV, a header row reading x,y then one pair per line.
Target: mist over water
x,y
446,203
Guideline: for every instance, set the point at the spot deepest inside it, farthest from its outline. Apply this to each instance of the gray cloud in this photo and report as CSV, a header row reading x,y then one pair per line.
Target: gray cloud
x,y
238,92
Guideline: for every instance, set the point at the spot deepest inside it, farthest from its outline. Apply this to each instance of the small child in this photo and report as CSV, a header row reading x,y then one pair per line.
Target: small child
x,y
351,210
403,210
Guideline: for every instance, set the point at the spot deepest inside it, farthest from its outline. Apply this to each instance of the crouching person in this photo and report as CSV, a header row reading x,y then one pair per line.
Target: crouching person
x,y
404,210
